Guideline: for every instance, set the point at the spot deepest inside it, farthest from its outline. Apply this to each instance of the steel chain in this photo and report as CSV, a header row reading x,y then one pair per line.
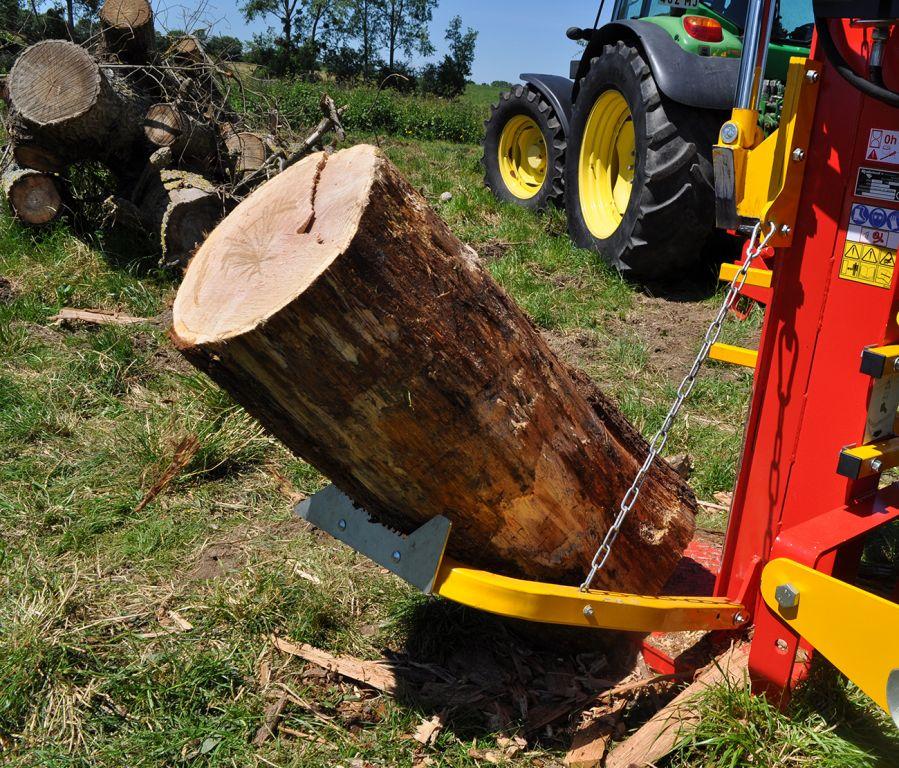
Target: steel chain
x,y
658,442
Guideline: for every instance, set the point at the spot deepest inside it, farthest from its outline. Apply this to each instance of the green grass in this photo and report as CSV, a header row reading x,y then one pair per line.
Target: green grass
x,y
89,676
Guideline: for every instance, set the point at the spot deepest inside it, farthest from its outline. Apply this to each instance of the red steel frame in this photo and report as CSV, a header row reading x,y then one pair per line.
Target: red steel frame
x,y
809,398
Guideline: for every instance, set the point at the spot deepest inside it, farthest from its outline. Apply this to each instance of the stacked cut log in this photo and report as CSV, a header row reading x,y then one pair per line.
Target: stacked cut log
x,y
341,312
159,121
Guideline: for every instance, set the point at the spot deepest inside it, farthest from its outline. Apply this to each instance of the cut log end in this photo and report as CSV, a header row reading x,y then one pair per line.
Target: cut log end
x,y
57,67
128,29
164,125
33,196
259,259
38,158
342,313
248,152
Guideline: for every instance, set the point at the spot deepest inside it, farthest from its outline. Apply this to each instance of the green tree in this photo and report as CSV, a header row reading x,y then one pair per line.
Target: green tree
x,y
285,11
365,23
404,24
224,47
450,76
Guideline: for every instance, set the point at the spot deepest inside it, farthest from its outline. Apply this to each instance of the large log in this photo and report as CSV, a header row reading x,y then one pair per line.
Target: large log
x,y
180,208
127,27
344,315
62,100
33,196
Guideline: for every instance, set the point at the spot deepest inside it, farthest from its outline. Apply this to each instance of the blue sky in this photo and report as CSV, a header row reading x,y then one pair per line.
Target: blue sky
x,y
513,37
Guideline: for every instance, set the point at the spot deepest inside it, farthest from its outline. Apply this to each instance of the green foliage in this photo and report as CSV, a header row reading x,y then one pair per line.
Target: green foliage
x,y
450,76
384,113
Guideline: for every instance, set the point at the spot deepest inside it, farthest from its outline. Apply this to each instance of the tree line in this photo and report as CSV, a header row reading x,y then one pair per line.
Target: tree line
x,y
361,40
346,40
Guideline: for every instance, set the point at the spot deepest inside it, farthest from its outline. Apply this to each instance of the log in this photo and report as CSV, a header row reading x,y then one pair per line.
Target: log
x,y
180,208
192,141
63,101
33,196
38,158
342,313
127,29
247,152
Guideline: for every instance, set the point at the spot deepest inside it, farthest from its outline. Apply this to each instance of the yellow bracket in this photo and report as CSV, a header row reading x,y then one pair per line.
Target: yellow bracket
x,y
761,278
768,176
727,353
878,362
854,629
869,460
556,604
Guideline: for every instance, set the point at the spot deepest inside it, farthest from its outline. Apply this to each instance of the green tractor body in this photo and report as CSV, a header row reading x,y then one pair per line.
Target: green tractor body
x,y
625,143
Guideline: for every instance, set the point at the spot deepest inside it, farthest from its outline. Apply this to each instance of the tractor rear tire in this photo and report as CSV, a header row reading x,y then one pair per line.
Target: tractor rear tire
x,y
524,109
664,213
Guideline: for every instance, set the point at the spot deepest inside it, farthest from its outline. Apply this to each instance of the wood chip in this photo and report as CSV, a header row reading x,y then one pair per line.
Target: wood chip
x,y
591,739
672,723
374,674
95,317
184,452
179,622
429,729
273,713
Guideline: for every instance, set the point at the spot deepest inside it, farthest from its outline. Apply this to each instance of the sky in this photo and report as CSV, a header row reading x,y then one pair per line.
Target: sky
x,y
513,37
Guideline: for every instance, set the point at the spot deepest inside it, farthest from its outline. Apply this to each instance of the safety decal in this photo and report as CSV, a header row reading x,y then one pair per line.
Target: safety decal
x,y
883,146
872,239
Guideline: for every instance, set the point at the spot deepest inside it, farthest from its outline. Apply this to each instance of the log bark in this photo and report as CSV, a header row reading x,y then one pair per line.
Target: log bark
x,y
38,158
33,196
342,313
192,141
181,208
128,31
62,100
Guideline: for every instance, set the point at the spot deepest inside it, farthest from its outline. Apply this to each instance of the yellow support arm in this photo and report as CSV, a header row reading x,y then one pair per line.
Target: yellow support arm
x,y
728,353
855,630
556,604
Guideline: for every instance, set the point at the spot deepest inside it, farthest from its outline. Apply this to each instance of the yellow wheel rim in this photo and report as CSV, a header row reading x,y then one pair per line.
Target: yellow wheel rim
x,y
607,162
522,157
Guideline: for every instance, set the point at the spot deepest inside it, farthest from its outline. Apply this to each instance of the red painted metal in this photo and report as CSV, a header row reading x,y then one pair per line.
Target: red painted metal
x,y
809,398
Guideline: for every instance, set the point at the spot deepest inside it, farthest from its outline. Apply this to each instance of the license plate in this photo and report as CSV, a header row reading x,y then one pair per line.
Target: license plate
x,y
681,3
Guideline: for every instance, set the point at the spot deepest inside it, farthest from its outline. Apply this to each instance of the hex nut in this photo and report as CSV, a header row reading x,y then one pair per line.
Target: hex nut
x,y
787,596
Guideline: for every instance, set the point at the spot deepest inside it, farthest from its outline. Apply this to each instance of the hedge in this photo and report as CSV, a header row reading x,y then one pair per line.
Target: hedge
x,y
386,113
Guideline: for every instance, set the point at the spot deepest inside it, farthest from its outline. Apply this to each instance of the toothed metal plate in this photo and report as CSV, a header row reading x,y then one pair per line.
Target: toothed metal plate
x,y
414,558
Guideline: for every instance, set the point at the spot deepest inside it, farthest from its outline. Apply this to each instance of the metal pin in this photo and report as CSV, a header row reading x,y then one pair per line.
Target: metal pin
x,y
876,465
812,76
588,611
798,155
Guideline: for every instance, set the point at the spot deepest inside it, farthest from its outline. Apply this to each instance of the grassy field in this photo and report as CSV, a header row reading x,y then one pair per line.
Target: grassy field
x,y
142,637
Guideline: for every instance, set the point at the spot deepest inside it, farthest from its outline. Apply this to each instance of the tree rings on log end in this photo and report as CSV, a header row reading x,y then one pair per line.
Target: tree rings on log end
x,y
163,125
53,81
126,14
34,197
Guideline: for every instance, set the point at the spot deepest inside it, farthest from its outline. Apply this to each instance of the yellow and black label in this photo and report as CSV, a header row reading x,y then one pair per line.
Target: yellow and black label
x,y
868,264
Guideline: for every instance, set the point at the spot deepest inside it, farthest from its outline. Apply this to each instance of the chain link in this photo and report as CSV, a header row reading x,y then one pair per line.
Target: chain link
x,y
658,442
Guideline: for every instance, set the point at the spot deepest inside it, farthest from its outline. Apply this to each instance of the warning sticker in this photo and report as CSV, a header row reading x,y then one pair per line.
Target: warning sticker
x,y
878,184
872,239
883,146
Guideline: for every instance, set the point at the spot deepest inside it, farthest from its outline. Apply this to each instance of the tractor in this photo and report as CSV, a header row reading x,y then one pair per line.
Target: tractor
x,y
625,144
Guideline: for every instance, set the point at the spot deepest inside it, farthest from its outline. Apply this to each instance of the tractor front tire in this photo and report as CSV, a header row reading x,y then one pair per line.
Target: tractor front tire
x,y
524,150
639,184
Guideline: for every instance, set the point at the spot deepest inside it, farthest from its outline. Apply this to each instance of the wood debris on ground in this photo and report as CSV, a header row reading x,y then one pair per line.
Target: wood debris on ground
x,y
176,153
186,449
95,317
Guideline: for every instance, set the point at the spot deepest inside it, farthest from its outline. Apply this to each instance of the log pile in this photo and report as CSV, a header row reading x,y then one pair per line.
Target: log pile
x,y
160,122
342,313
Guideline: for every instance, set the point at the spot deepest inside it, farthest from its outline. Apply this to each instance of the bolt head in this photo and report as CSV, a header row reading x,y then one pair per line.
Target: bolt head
x,y
876,465
798,155
396,556
730,133
786,229
787,596
812,76
782,646
740,618
341,524
588,611
896,364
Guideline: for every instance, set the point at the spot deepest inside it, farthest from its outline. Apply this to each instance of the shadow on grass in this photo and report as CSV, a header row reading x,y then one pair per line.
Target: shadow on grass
x,y
493,675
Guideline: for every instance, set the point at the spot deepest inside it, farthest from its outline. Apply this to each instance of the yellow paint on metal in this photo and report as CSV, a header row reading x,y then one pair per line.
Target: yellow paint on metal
x,y
760,278
556,604
607,164
868,264
727,353
854,629
522,157
769,173
861,457
886,358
